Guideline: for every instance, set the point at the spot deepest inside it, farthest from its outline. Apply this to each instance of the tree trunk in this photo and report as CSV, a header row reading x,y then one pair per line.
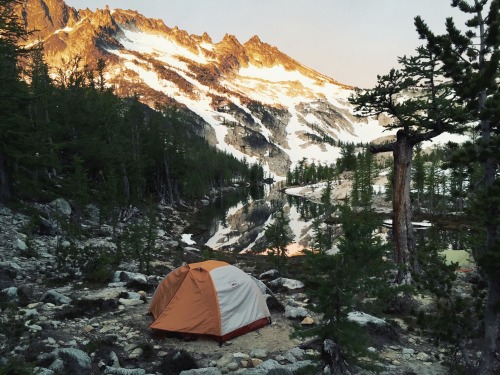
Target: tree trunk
x,y
126,182
5,193
335,358
489,359
168,180
402,228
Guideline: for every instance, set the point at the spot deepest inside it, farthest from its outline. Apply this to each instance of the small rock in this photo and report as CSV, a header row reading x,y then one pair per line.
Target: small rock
x,y
363,319
72,343
408,351
125,276
62,206
240,356
233,366
225,360
290,284
130,302
136,353
292,312
289,357
256,362
88,328
21,245
68,361
108,328
35,328
307,321
202,371
297,353
55,297
258,353
424,357
269,274
10,294
123,371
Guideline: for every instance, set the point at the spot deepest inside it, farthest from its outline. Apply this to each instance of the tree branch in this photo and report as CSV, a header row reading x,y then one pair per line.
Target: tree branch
x,y
375,149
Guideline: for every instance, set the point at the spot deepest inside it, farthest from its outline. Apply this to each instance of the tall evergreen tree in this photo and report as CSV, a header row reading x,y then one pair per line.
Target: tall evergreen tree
x,y
471,58
14,132
339,283
278,237
421,107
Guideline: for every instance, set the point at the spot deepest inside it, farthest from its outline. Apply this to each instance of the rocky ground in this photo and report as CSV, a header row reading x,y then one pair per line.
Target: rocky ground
x,y
54,321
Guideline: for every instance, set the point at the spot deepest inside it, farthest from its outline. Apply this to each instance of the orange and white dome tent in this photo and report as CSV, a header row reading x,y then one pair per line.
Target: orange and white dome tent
x,y
209,298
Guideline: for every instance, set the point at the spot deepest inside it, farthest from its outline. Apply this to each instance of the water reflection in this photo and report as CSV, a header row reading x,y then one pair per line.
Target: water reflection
x,y
236,222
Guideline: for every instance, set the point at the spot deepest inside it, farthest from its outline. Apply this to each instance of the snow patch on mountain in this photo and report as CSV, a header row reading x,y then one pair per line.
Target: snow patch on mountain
x,y
275,74
166,50
275,86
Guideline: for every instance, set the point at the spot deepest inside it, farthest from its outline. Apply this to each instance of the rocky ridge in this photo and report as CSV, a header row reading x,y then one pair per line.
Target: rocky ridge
x,y
249,99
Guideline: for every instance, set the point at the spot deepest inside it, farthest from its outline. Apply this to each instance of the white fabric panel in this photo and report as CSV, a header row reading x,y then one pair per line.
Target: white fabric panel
x,y
240,299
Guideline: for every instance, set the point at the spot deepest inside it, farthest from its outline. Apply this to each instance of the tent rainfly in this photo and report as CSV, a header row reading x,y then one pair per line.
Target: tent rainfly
x,y
209,298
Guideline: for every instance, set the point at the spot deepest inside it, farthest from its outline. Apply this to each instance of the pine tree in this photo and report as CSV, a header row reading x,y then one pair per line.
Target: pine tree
x,y
421,107
471,59
278,237
347,161
14,132
338,283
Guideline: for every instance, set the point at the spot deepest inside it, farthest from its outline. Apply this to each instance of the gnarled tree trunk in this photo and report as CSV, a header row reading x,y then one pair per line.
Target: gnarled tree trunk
x,y
489,359
402,227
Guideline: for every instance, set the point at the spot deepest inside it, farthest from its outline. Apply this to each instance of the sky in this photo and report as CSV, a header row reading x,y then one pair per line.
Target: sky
x,y
351,41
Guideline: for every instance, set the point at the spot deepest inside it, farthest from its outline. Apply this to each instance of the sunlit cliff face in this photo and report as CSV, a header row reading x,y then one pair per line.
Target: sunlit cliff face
x,y
250,100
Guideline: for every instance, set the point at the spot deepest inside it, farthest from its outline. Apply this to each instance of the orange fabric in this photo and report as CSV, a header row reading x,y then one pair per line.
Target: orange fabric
x,y
166,290
187,309
208,265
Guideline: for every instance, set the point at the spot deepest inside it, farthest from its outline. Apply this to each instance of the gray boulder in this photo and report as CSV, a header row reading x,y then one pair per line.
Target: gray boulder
x,y
295,312
21,245
280,371
15,295
123,371
269,274
10,269
61,206
127,277
68,361
202,371
52,296
263,287
283,282
10,294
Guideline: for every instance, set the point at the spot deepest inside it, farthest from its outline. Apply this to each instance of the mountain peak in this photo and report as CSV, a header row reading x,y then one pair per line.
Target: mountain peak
x,y
206,38
44,17
230,39
273,109
254,40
